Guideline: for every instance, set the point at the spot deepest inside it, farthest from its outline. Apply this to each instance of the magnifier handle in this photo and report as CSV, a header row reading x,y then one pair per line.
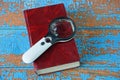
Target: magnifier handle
x,y
36,50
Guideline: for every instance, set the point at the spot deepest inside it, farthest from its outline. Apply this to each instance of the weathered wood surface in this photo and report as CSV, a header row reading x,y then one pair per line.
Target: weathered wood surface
x,y
97,39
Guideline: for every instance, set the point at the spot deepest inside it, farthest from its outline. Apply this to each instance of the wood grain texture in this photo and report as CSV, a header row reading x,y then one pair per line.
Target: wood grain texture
x,y
97,39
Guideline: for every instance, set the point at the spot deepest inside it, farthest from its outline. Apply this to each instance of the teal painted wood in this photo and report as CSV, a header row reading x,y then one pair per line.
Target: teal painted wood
x,y
97,39
97,47
102,61
77,74
13,41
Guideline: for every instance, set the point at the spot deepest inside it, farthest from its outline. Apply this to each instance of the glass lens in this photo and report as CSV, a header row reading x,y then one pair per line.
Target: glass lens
x,y
62,28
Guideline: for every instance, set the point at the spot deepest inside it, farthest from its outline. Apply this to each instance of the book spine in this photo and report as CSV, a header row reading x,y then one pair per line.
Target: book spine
x,y
27,25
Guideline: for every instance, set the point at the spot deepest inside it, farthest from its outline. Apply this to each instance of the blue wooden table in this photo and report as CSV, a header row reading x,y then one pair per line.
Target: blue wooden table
x,y
97,39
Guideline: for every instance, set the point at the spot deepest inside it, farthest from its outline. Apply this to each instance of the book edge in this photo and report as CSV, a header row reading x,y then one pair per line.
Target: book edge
x,y
44,6
27,26
58,68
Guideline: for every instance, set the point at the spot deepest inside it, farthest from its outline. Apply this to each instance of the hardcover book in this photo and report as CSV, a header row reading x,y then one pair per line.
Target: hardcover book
x,y
60,56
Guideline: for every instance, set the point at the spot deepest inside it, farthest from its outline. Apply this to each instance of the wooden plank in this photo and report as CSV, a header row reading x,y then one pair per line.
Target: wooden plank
x,y
85,13
94,49
12,41
73,74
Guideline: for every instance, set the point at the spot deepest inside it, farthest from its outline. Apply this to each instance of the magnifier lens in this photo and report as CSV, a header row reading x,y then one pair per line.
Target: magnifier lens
x,y
62,28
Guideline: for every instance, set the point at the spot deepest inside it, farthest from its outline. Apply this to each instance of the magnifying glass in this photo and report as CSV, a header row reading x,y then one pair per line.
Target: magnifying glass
x,y
60,30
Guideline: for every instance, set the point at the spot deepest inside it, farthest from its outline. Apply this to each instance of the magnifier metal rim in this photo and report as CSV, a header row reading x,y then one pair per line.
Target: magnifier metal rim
x,y
57,39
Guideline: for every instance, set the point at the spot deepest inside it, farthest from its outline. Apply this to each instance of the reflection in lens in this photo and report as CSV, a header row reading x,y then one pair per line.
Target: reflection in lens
x,y
62,29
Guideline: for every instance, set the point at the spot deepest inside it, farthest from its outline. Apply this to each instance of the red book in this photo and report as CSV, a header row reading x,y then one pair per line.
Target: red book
x,y
60,56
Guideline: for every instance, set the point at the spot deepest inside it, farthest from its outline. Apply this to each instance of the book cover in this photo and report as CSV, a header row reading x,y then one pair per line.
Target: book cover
x,y
60,56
